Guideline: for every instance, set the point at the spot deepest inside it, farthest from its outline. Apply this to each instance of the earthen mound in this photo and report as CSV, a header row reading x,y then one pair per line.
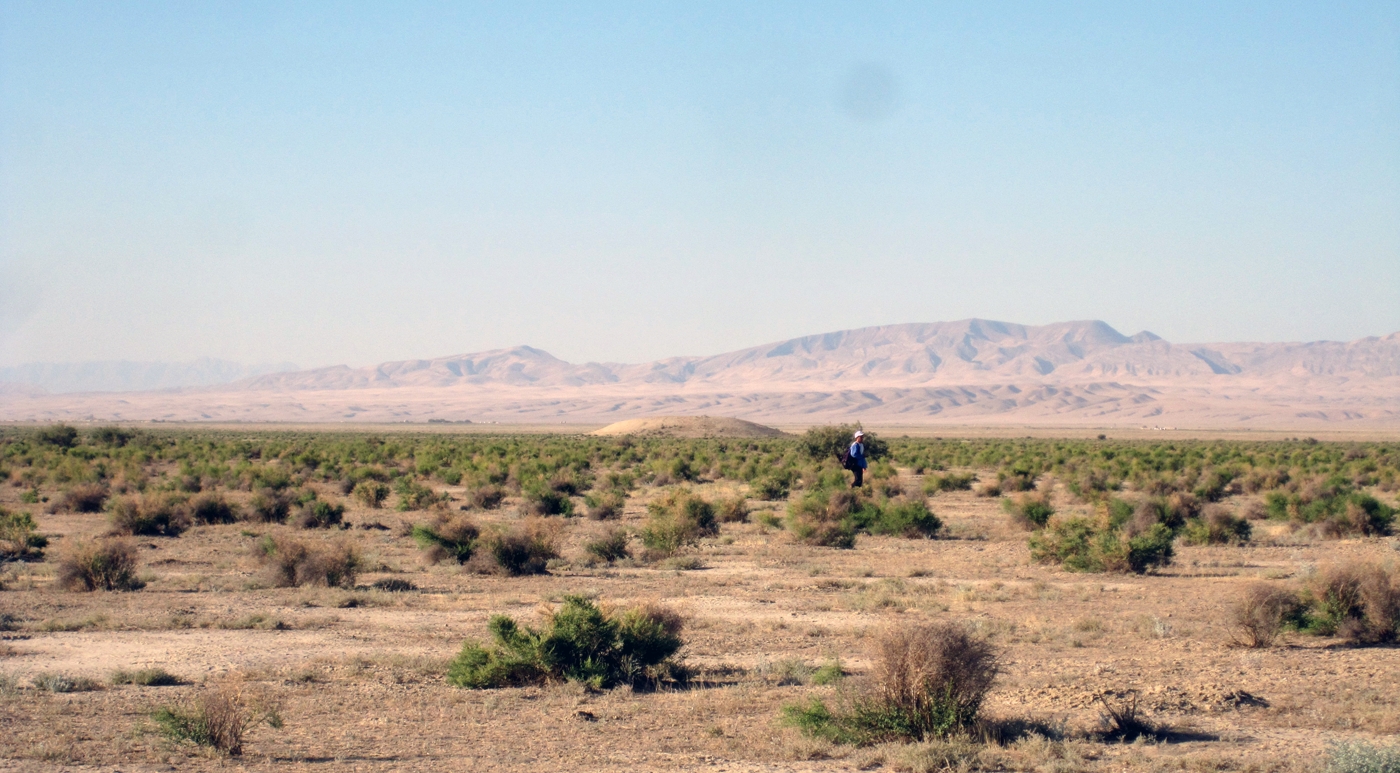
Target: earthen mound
x,y
689,427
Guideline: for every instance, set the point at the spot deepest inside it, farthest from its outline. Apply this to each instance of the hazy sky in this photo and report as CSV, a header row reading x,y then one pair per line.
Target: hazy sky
x,y
341,182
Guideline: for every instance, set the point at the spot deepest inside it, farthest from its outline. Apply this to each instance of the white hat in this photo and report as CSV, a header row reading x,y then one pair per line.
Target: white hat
x,y
859,433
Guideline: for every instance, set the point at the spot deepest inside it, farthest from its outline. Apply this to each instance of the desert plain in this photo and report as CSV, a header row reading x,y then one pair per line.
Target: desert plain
x,y
355,675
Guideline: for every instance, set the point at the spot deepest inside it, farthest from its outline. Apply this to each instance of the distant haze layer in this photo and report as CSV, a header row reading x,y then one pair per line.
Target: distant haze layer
x,y
126,376
969,371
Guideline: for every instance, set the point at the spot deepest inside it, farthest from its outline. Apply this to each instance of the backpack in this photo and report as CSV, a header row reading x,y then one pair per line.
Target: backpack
x,y
845,457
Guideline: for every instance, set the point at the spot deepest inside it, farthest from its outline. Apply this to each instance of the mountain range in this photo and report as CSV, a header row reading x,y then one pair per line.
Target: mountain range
x,y
968,371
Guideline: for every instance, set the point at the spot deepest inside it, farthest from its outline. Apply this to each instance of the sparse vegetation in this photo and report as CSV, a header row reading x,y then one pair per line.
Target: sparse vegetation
x,y
579,643
146,677
162,515
62,683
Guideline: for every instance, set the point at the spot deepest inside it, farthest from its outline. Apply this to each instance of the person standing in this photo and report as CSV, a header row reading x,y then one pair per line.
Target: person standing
x,y
855,459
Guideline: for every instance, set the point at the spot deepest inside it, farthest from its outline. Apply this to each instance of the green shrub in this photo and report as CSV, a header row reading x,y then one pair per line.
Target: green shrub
x,y
930,682
609,547
454,538
680,518
269,505
605,506
107,564
58,435
579,643
769,489
1216,526
899,518
370,493
824,517
415,496
146,677
152,515
1029,511
542,500
319,514
212,508
19,541
953,481
1080,545
1362,757
1333,505
822,443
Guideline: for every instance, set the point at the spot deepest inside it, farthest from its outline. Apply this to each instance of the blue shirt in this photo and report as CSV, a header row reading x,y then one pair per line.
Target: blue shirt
x,y
858,454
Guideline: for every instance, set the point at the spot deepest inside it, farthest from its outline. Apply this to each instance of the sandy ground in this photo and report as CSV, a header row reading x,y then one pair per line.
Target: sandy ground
x,y
358,675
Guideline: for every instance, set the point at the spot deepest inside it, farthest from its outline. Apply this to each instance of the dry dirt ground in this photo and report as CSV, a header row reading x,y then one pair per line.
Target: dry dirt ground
x,y
357,676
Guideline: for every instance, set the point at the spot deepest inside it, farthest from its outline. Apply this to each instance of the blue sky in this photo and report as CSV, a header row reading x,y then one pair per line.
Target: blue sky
x,y
342,182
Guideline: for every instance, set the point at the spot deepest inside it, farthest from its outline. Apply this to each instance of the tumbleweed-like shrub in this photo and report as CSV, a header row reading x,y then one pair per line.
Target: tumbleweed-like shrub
x,y
105,564
929,681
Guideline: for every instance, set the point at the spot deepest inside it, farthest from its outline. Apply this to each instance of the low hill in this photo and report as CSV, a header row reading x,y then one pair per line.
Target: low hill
x,y
689,427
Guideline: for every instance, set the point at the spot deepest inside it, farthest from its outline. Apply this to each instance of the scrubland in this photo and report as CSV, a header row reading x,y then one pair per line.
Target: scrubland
x,y
185,599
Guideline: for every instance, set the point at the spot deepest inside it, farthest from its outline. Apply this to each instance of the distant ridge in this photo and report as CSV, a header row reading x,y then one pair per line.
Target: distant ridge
x,y
127,376
966,351
967,371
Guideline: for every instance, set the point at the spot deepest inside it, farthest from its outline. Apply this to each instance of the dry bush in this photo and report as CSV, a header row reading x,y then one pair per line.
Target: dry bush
x,y
454,538
211,509
1260,615
929,682
269,506
371,493
107,564
605,506
1357,601
823,517
525,548
733,509
82,498
1029,511
937,673
487,497
1217,526
1122,720
291,563
162,515
680,518
609,547
220,719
